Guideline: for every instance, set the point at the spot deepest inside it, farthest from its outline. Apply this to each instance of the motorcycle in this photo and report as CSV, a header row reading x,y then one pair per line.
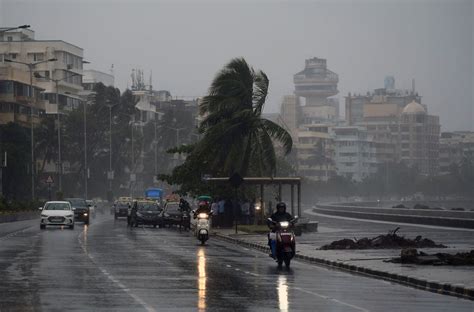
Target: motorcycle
x,y
284,236
202,226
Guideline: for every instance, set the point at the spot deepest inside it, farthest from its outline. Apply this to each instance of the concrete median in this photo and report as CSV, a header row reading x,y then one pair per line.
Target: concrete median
x,y
19,216
385,215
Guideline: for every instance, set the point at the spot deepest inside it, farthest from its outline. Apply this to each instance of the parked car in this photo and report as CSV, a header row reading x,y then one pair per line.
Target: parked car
x,y
172,214
80,208
57,213
146,212
121,209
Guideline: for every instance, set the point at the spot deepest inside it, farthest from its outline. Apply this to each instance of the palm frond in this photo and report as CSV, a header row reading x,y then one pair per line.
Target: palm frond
x,y
260,91
279,134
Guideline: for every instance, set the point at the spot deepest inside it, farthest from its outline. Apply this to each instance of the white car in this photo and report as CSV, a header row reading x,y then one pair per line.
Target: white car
x,y
57,213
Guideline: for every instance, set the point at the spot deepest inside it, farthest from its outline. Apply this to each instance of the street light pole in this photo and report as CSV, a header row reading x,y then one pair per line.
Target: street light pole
x,y
156,152
86,170
60,167
133,158
33,164
30,67
109,174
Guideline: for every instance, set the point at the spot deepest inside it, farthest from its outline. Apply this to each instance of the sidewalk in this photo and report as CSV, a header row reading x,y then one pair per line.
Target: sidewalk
x,y
450,280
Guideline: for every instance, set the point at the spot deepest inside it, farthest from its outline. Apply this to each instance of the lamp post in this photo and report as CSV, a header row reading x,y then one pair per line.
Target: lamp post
x,y
60,167
110,174
177,135
30,67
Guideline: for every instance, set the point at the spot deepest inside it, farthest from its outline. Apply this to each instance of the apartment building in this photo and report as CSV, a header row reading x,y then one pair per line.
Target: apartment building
x,y
454,147
354,152
37,75
315,152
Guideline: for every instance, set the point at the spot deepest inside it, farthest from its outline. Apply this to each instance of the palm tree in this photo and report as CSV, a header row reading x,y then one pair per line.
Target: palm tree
x,y
235,134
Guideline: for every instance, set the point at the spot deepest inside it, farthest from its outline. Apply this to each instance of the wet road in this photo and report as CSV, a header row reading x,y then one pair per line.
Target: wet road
x,y
109,267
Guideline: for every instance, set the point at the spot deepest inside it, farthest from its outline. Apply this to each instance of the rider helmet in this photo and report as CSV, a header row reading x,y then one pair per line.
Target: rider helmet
x,y
281,205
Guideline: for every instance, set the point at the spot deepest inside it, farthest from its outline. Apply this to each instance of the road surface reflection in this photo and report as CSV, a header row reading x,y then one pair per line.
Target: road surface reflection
x,y
282,293
201,280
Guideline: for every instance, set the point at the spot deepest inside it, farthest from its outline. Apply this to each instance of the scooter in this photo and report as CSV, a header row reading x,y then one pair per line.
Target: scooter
x,y
202,226
284,240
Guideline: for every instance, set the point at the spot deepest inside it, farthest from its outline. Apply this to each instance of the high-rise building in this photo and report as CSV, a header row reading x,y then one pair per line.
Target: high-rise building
x,y
400,125
289,112
381,102
316,84
419,139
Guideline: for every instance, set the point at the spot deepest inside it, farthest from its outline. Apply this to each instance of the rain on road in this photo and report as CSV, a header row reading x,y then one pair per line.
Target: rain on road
x,y
109,267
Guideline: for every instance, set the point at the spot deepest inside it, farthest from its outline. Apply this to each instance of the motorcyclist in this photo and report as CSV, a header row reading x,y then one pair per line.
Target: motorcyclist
x,y
279,216
185,209
184,205
133,213
203,207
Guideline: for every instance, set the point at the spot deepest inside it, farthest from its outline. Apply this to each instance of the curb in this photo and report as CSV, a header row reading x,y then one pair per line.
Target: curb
x,y
456,290
21,216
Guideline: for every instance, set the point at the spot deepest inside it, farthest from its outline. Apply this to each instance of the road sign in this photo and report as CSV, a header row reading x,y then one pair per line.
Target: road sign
x,y
49,180
110,175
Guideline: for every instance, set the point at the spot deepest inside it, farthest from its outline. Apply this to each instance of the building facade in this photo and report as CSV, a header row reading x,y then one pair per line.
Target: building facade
x,y
454,148
316,84
354,153
315,153
60,79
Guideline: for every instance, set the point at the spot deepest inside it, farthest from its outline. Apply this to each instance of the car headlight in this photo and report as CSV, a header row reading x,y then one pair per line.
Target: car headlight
x,y
69,216
85,214
44,216
139,214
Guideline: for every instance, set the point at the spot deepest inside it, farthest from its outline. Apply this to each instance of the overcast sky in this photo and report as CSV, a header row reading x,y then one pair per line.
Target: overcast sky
x,y
186,42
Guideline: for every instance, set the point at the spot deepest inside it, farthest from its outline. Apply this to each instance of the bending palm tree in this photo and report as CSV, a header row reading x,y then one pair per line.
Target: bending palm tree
x,y
235,134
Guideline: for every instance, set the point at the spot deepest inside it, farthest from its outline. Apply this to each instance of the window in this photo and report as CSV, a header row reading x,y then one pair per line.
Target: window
x,y
38,57
10,38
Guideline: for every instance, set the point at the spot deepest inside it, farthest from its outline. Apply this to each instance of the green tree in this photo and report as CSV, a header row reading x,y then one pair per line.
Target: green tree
x,y
15,142
235,136
235,133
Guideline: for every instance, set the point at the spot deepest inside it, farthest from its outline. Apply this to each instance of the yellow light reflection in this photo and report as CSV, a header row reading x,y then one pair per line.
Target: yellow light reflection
x,y
84,235
201,280
282,293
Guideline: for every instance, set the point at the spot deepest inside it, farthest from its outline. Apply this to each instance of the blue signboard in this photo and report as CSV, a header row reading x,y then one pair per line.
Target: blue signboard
x,y
154,193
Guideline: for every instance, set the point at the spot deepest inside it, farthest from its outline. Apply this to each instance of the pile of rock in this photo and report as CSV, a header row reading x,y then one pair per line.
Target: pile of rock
x,y
413,256
389,241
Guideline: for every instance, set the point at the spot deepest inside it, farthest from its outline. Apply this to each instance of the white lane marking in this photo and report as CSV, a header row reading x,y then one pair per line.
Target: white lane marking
x,y
331,299
311,212
111,277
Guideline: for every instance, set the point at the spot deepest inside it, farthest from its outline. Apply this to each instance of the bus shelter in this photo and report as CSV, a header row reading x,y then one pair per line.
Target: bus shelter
x,y
262,181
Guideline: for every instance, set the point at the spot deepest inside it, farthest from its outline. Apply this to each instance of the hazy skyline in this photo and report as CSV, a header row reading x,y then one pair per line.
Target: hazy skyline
x,y
186,43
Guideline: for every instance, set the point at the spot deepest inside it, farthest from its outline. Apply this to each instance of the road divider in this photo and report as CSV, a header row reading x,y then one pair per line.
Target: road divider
x,y
19,216
380,214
